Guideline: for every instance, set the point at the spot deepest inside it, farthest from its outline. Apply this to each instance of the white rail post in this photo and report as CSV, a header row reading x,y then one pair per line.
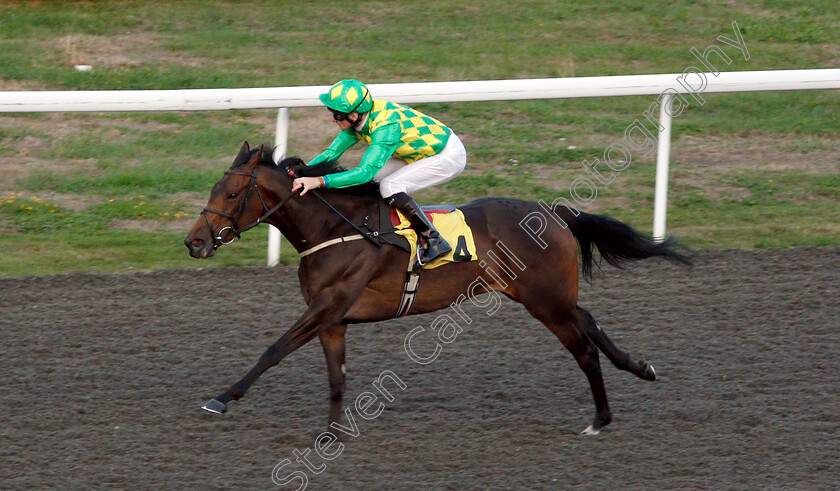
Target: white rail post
x,y
660,204
281,136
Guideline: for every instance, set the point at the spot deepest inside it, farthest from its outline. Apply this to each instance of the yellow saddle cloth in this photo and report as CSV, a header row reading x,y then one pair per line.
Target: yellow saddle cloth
x,y
452,227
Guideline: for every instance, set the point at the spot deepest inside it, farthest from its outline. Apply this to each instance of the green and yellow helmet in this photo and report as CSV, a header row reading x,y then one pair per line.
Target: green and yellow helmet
x,y
348,96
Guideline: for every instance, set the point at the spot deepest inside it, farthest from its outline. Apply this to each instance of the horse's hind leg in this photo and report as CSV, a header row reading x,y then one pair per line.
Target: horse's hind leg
x,y
586,355
332,340
619,358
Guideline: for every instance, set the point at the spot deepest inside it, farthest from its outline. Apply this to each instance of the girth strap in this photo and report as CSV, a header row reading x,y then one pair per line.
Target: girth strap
x,y
412,283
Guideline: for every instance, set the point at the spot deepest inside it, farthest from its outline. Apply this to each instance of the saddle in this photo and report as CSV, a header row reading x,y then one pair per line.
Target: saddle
x,y
387,222
395,229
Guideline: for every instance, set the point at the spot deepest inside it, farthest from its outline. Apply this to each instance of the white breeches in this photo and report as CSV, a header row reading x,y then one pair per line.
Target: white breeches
x,y
397,176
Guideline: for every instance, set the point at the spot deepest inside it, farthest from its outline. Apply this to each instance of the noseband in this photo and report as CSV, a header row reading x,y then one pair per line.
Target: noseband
x,y
235,230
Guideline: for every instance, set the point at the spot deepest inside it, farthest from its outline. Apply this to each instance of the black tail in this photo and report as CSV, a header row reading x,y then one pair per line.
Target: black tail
x,y
617,242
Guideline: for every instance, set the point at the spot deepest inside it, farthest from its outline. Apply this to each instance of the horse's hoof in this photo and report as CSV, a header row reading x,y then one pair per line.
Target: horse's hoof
x,y
590,430
650,373
214,406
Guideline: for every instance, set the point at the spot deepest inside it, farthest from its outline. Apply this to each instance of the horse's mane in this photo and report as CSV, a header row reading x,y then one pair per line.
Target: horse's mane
x,y
300,169
319,169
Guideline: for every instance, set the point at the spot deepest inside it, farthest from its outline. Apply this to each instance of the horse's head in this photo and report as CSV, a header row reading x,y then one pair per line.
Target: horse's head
x,y
236,203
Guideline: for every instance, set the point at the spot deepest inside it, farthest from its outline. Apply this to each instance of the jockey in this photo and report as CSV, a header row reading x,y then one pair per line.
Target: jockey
x,y
408,151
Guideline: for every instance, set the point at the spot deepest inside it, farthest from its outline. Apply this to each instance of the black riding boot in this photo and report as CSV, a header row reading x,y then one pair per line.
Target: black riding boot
x,y
435,245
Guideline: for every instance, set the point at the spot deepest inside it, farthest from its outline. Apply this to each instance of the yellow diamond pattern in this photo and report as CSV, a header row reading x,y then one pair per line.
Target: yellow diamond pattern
x,y
429,139
427,151
405,149
352,95
336,91
422,136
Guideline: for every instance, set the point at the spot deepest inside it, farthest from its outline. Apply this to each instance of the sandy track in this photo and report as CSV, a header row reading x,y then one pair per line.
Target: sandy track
x,y
103,377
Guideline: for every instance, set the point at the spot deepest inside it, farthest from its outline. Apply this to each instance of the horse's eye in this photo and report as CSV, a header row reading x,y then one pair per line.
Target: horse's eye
x,y
233,195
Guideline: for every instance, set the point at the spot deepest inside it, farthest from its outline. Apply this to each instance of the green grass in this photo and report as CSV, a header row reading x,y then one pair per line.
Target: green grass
x,y
110,251
114,188
143,178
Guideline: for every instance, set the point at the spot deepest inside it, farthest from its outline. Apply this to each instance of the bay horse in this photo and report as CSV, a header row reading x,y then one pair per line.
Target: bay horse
x,y
348,282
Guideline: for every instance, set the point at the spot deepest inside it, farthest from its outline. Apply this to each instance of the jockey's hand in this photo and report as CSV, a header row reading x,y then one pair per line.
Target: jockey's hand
x,y
306,183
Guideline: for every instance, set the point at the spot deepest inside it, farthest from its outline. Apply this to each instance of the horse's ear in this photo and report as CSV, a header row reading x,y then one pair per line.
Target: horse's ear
x,y
242,157
245,148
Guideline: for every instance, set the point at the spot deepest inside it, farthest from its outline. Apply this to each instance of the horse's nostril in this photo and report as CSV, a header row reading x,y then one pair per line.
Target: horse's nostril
x,y
193,244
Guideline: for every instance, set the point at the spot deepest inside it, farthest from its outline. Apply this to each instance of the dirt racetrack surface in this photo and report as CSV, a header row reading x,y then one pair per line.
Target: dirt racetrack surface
x,y
103,377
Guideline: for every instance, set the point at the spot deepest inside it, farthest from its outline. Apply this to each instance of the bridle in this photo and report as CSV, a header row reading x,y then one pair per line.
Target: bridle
x,y
235,230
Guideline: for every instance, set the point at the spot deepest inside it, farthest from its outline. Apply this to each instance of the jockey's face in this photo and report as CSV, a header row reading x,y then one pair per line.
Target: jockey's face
x,y
350,120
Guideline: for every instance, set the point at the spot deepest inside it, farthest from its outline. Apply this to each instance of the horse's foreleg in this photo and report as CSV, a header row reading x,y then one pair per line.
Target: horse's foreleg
x,y
619,358
332,340
326,309
294,338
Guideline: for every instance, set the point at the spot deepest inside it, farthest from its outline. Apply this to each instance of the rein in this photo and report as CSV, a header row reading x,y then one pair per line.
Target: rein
x,y
362,233
235,230
355,227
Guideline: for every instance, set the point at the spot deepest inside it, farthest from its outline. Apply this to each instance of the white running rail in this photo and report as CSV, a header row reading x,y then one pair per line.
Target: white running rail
x,y
665,85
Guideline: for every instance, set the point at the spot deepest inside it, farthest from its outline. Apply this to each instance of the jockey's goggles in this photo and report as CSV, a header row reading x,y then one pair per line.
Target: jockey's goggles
x,y
339,116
